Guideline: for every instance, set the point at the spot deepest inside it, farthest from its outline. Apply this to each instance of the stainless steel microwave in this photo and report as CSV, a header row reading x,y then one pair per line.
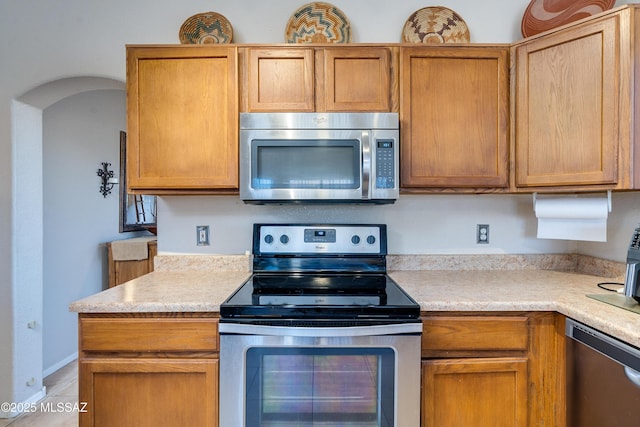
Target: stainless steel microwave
x,y
319,157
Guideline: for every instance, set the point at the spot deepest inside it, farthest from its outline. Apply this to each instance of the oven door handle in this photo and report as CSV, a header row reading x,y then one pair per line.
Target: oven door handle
x,y
349,331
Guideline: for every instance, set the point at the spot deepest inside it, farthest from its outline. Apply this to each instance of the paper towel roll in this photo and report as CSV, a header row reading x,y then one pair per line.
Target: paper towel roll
x,y
572,218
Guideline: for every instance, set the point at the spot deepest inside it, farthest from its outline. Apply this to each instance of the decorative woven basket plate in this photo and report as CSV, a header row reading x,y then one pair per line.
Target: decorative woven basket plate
x,y
543,15
206,28
318,23
435,25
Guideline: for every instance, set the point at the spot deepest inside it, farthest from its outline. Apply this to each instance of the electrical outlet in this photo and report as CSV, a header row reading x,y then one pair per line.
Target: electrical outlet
x,y
482,234
202,235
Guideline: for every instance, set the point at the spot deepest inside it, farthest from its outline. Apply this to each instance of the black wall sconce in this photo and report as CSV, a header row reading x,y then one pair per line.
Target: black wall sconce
x,y
107,179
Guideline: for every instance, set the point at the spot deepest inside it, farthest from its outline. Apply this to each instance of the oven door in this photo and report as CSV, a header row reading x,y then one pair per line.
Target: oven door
x,y
345,376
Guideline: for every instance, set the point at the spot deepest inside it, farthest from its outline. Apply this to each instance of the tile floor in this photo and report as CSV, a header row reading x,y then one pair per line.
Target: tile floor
x,y
62,389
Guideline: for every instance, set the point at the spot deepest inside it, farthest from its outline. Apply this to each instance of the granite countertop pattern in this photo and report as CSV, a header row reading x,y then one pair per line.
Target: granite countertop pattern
x,y
165,291
195,287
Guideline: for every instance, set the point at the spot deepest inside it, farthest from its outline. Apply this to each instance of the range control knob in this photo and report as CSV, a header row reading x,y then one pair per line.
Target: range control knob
x,y
268,239
355,239
284,239
371,240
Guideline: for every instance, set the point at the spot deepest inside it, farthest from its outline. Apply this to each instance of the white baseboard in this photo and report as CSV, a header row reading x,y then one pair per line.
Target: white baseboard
x,y
28,403
61,364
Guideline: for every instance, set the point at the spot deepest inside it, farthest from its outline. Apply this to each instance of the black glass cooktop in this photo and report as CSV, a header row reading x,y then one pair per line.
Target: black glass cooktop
x,y
319,296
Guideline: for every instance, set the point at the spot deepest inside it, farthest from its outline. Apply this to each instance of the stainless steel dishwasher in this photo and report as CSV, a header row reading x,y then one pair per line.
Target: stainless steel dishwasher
x,y
603,379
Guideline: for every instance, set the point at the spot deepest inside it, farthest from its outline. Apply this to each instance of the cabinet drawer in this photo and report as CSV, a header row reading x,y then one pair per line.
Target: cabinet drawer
x,y
148,334
475,333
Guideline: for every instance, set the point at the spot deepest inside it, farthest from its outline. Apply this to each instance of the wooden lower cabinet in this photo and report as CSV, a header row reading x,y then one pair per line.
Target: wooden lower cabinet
x,y
121,271
149,392
475,392
497,369
148,370
478,369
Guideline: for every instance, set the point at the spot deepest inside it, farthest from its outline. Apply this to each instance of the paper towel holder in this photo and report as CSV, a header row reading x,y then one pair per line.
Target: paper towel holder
x,y
609,203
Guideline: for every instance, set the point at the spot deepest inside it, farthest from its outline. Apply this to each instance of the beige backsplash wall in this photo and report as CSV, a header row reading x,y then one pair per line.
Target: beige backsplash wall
x,y
625,216
433,224
426,224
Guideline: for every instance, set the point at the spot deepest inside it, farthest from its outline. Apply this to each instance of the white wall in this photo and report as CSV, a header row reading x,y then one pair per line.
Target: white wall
x,y
45,41
439,224
27,261
80,132
622,221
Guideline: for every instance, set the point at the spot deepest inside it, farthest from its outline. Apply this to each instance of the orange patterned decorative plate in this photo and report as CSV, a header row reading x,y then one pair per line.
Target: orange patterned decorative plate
x,y
435,25
206,28
543,15
318,23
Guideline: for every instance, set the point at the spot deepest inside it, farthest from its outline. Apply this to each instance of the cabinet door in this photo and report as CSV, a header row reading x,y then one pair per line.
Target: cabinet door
x,y
182,119
149,392
454,112
355,79
280,79
566,91
474,392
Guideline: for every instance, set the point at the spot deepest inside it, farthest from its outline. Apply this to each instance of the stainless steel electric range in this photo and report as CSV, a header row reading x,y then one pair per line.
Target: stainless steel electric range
x,y
319,335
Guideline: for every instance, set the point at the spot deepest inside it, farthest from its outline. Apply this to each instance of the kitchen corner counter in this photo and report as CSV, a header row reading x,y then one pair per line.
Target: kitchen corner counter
x,y
521,290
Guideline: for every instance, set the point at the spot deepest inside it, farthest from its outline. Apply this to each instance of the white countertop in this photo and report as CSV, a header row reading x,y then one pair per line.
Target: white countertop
x,y
434,290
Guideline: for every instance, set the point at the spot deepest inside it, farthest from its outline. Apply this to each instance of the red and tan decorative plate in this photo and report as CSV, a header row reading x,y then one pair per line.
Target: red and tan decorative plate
x,y
435,25
206,28
543,15
318,23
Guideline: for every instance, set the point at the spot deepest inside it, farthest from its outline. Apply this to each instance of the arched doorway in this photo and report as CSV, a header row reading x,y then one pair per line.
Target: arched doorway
x,y
29,209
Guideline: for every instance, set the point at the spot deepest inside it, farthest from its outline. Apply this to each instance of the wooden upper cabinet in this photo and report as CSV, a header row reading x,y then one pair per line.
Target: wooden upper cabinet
x,y
182,113
454,116
280,79
567,107
307,79
356,79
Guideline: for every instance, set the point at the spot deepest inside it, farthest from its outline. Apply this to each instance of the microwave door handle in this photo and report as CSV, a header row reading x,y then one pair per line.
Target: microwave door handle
x,y
366,163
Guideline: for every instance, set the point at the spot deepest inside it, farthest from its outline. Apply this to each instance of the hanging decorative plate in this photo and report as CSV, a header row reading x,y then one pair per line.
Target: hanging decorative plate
x,y
318,23
206,28
543,15
435,25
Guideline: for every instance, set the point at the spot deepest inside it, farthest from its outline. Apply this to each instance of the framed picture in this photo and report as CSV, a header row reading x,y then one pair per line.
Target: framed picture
x,y
137,212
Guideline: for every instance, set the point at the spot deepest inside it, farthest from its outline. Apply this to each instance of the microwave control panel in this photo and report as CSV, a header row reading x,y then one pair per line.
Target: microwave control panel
x,y
385,164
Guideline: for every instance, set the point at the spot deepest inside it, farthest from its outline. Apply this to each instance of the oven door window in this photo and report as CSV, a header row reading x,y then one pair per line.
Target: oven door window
x,y
320,387
305,164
